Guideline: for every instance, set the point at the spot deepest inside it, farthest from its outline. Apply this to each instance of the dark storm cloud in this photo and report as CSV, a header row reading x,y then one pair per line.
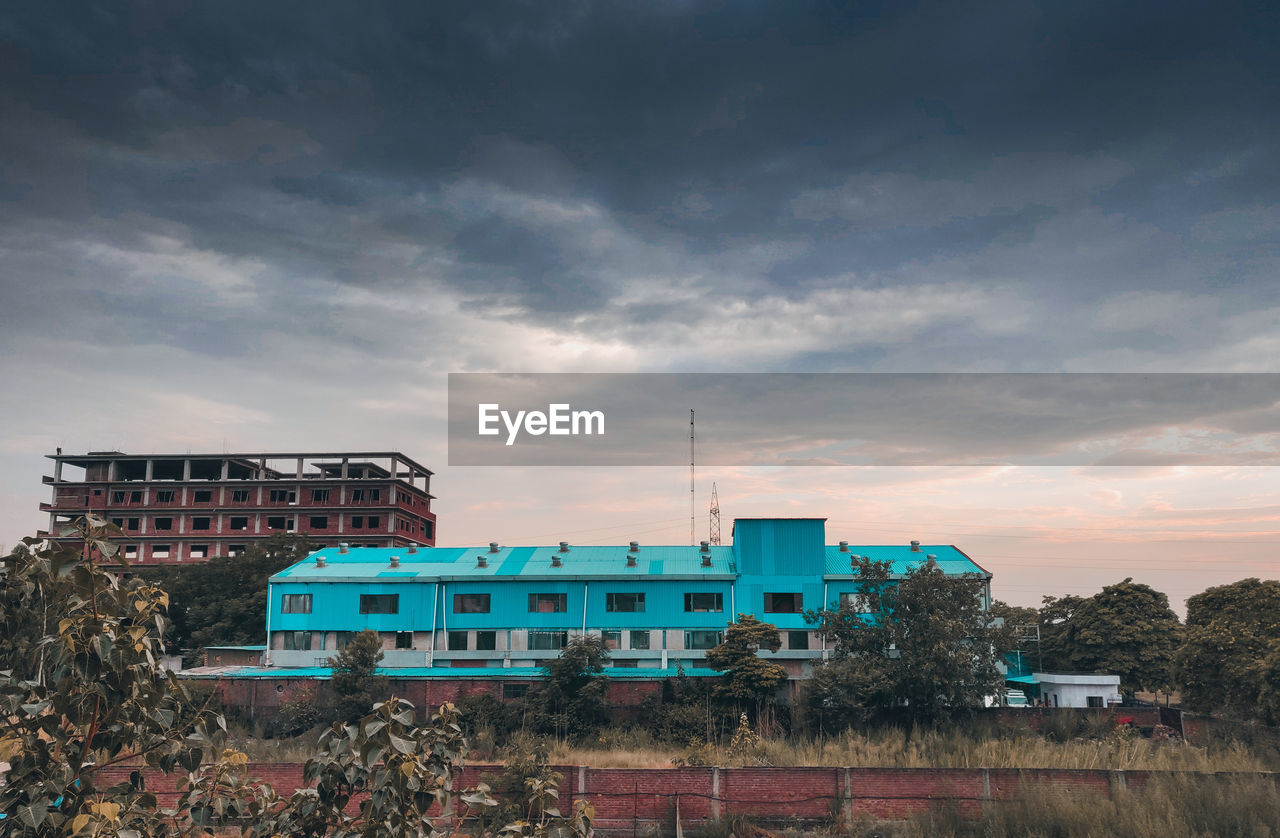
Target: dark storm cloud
x,y
541,158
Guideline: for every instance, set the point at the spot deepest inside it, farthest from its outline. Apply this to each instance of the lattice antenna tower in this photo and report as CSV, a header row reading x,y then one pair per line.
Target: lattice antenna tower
x,y
692,513
715,516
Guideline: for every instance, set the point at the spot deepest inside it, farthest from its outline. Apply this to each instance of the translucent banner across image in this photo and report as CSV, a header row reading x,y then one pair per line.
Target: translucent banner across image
x,y
864,419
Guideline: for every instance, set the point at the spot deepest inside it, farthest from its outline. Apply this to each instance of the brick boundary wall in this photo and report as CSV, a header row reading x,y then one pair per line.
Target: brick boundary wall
x,y
632,800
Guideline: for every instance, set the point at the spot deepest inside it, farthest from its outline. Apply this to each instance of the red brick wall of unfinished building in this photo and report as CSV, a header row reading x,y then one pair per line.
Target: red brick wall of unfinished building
x,y
627,799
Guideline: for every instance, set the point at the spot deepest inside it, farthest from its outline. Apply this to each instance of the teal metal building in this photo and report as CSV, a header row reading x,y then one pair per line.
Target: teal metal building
x,y
657,607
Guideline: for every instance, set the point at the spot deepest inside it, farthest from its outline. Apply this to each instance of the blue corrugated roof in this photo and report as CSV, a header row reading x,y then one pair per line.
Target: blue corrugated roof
x,y
902,558
491,673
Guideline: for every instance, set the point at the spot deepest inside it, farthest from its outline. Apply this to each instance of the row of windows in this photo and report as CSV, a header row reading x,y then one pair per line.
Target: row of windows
x,y
486,641
244,495
774,603
241,522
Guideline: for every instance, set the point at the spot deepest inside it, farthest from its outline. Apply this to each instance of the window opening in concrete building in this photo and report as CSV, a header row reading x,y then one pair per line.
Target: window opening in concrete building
x,y
297,641
240,522
239,495
797,640
548,603
203,496
283,496
457,641
548,640
404,640
199,551
117,497
696,602
702,639
160,551
164,496
486,641
235,549
319,522
164,523
135,497
357,495
639,638
379,603
624,602
612,638
515,690
374,523
319,495
200,523
471,603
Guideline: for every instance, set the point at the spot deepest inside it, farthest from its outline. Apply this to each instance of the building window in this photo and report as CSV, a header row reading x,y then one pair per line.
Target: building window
x,y
239,495
297,641
240,522
117,497
612,638
1093,701
319,522
699,639
486,641
279,522
160,551
404,640
357,522
295,603
319,495
342,638
854,602
427,529
515,690
118,522
203,496
457,641
199,551
283,496
164,523
164,496
235,549
548,604
624,602
374,522
133,523
131,551
375,494
200,523
471,603
548,640
625,664
797,640
379,603
357,495
135,497
704,602
639,638
787,603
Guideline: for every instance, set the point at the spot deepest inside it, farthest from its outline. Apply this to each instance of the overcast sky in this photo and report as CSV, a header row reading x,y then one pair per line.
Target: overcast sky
x,y
279,226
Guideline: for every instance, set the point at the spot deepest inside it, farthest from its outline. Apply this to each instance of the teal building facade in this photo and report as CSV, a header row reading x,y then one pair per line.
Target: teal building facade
x,y
657,607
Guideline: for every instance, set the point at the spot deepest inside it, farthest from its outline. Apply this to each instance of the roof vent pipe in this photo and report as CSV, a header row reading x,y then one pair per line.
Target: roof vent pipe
x,y
493,546
343,547
564,547
395,561
413,548
319,561
631,560
481,561
915,546
635,547
555,561
931,560
844,547
705,548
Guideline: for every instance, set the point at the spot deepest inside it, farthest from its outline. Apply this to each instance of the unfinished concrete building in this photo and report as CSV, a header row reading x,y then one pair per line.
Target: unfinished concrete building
x,y
190,507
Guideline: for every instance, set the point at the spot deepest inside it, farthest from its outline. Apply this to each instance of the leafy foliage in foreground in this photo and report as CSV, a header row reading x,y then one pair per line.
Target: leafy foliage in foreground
x,y
81,690
1230,659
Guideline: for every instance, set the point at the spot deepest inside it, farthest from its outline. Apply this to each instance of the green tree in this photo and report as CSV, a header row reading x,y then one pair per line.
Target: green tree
x,y
355,682
925,641
1127,629
221,601
1230,632
93,696
573,695
747,676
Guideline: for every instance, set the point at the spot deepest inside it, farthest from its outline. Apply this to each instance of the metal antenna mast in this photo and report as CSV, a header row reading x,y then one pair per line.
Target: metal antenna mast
x,y
692,542
715,516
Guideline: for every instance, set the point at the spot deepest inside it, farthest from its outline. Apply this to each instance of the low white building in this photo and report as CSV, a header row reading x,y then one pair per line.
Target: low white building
x,y
1083,689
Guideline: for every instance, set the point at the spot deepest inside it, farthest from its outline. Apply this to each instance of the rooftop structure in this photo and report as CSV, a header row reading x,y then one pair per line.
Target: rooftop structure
x,y
190,507
656,607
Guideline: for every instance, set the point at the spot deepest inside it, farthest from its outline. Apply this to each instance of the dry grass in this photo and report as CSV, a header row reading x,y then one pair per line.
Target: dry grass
x,y
931,749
